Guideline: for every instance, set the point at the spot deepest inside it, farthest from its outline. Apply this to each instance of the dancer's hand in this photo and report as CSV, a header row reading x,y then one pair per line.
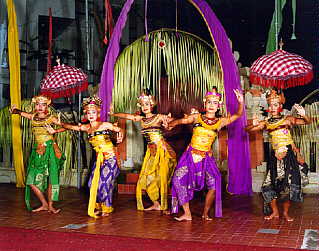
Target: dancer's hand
x,y
119,137
12,109
166,119
50,129
193,111
111,112
255,120
239,96
300,110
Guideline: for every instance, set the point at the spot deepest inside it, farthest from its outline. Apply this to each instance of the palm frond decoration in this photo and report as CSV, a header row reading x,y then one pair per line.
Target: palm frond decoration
x,y
66,140
306,136
178,67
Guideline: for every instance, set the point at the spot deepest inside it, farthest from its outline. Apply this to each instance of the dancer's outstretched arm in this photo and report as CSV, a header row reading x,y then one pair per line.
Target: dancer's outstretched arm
x,y
103,126
79,127
228,120
257,125
15,110
189,119
127,116
109,126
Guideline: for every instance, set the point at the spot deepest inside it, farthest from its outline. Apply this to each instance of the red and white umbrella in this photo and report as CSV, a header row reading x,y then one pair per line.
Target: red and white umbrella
x,y
63,81
281,69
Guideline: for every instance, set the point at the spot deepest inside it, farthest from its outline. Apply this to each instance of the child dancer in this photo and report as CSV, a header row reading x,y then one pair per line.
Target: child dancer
x,y
105,170
283,172
197,167
160,159
46,159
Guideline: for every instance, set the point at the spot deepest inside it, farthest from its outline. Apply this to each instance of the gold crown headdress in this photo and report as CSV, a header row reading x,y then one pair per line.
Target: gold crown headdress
x,y
213,95
145,98
41,99
91,102
274,96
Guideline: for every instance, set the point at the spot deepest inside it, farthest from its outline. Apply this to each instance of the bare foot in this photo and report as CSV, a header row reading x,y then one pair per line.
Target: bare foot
x,y
53,210
97,213
105,214
207,218
183,218
288,218
272,216
42,208
166,212
154,207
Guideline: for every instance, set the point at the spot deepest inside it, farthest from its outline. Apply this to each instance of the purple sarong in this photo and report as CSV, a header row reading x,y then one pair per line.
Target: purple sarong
x,y
108,174
190,176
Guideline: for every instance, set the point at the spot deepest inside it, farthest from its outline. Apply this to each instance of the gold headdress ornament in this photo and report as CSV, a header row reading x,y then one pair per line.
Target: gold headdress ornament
x,y
91,102
145,98
41,99
213,95
274,96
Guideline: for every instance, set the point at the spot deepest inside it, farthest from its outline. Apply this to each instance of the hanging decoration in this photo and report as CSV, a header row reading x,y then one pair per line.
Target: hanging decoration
x,y
272,42
49,65
108,21
273,34
293,35
15,92
161,44
145,22
107,78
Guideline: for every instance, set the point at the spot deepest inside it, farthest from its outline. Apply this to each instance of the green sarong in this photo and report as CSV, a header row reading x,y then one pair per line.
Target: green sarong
x,y
43,169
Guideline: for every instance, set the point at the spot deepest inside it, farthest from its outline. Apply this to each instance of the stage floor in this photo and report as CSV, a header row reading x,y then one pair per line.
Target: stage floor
x,y
242,221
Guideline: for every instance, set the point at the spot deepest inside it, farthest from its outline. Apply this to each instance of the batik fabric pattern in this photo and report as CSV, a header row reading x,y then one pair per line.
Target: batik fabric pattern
x,y
197,168
45,162
283,178
104,173
158,165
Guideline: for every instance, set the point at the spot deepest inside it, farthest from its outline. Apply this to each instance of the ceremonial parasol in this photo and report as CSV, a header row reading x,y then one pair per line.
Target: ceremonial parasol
x,y
281,69
63,81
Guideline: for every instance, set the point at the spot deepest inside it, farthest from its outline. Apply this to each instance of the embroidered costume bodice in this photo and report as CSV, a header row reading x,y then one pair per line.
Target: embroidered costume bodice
x,y
38,128
280,134
150,129
101,142
204,134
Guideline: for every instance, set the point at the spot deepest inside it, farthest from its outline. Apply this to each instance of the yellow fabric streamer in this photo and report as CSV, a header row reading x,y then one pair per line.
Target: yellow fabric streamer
x,y
95,184
155,175
15,92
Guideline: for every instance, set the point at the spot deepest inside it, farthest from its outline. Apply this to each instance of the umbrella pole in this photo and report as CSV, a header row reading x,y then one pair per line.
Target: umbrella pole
x,y
87,40
277,9
79,153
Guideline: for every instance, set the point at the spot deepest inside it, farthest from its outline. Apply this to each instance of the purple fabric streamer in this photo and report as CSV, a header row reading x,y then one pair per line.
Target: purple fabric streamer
x,y
239,179
107,78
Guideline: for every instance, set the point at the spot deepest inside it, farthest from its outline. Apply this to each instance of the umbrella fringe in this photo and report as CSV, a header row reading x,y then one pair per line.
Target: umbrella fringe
x,y
281,82
68,91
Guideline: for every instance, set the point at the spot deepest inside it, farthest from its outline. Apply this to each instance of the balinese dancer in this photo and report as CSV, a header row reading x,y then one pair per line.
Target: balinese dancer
x,y
283,173
197,167
160,159
46,159
105,170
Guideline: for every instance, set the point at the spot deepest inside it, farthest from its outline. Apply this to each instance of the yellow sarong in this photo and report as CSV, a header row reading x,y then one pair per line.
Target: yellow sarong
x,y
157,169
